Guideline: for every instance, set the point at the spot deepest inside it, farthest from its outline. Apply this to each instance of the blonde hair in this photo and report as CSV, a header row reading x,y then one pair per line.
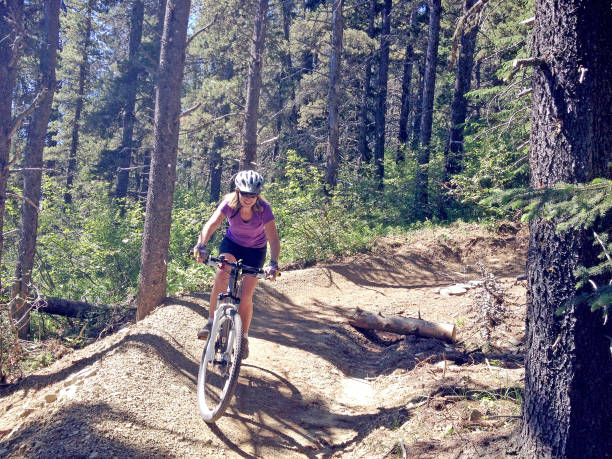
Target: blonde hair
x,y
234,201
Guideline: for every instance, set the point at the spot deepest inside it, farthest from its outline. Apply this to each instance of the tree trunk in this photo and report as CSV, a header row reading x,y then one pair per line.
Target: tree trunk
x,y
131,87
216,159
11,20
32,163
381,105
406,87
286,88
146,172
403,325
216,169
364,148
251,112
568,369
418,106
148,101
422,175
156,238
453,154
477,66
333,133
83,71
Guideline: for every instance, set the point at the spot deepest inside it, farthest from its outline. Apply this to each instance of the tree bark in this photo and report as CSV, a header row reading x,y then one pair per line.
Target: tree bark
x,y
403,325
453,154
418,106
568,370
156,238
251,112
216,168
11,21
131,87
32,164
333,127
364,148
148,102
402,136
422,175
286,87
381,103
83,71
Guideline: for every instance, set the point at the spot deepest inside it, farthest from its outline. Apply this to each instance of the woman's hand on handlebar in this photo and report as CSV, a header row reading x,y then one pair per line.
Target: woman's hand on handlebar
x,y
271,270
200,252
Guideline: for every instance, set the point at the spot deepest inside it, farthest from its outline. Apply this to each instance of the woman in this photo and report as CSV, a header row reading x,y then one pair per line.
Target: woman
x,y
251,228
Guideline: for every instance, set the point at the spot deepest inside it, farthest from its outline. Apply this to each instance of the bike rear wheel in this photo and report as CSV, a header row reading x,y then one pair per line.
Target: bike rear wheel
x,y
218,376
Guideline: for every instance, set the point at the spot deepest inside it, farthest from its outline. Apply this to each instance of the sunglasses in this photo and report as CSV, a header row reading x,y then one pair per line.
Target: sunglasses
x,y
248,195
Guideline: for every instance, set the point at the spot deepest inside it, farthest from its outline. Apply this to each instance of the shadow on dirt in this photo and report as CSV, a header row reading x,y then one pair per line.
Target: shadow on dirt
x,y
415,270
310,329
493,445
78,421
289,421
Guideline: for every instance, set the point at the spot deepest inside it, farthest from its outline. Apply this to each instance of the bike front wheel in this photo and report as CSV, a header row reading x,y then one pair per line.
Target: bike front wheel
x,y
218,375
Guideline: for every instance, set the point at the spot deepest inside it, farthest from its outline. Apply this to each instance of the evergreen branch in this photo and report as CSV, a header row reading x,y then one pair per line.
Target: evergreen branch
x,y
603,246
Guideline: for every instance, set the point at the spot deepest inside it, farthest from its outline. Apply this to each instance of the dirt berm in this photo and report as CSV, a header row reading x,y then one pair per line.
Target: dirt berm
x,y
313,386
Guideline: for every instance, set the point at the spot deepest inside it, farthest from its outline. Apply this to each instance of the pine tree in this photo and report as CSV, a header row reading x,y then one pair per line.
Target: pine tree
x,y
32,165
422,177
568,367
156,239
11,40
331,176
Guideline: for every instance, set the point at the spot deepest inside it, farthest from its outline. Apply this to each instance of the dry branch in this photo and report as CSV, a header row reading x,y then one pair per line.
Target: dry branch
x,y
23,115
403,325
203,29
466,22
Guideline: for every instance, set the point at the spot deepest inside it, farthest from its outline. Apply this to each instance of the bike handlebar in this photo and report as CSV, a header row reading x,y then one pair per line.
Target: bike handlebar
x,y
258,272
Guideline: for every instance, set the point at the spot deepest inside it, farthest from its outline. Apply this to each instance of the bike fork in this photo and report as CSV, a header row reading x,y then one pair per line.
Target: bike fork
x,y
223,309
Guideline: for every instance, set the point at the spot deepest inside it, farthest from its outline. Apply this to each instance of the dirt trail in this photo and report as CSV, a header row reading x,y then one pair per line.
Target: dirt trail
x,y
312,387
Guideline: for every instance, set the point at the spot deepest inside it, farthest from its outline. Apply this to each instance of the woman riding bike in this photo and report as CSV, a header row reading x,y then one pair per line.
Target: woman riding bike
x,y
251,228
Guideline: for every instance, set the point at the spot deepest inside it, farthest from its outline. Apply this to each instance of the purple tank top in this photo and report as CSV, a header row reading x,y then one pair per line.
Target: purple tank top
x,y
247,234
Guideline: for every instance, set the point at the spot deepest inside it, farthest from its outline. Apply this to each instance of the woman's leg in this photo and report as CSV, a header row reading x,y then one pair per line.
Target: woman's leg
x,y
246,301
221,281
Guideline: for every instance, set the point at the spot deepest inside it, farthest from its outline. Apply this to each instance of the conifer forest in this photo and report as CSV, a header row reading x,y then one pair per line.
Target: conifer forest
x,y
123,123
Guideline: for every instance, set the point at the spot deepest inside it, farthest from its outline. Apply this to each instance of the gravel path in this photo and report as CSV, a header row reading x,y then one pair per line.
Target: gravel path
x,y
312,386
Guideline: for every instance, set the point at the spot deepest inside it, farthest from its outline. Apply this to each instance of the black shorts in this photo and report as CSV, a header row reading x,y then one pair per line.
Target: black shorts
x,y
254,257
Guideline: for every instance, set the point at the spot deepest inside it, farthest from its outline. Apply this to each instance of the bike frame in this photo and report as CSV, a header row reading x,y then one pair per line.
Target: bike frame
x,y
237,269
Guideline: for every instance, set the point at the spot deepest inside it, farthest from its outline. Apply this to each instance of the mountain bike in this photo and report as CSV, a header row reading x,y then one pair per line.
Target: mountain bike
x,y
222,356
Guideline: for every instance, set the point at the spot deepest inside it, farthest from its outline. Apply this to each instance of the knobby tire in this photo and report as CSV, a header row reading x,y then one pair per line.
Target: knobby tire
x,y
216,383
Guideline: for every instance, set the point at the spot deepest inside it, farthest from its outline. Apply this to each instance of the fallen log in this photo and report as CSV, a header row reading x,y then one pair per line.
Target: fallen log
x,y
403,325
72,308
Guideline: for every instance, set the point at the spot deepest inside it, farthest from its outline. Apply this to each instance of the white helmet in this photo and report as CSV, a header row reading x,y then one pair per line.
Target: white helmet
x,y
249,182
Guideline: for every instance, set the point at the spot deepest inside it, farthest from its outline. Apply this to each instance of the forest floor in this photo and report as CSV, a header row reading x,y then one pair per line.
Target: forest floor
x,y
313,385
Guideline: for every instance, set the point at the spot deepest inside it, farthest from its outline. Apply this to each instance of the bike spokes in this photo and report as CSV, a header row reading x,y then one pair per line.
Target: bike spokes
x,y
218,375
